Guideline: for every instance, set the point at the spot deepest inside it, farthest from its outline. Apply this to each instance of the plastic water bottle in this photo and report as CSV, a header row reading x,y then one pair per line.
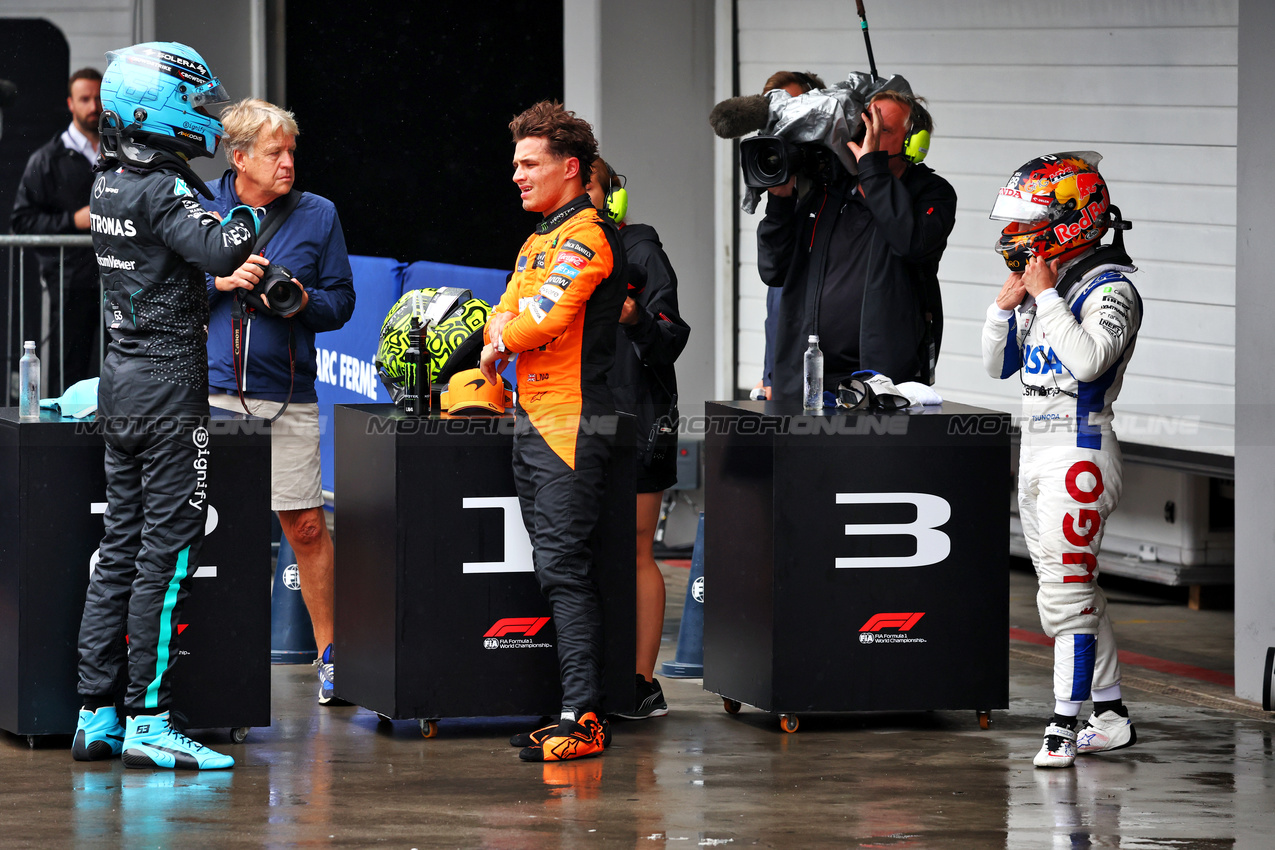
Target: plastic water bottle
x,y
29,383
812,387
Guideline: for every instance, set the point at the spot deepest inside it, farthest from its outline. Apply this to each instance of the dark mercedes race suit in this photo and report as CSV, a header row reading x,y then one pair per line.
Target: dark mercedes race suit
x,y
567,290
153,241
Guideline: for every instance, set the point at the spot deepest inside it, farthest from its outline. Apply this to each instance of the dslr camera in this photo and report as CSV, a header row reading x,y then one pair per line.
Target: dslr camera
x,y
274,293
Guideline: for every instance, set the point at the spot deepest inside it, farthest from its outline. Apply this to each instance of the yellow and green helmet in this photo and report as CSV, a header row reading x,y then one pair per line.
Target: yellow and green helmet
x,y
455,319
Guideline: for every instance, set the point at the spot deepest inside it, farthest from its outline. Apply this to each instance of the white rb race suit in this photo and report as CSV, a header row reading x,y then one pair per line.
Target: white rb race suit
x,y
1071,354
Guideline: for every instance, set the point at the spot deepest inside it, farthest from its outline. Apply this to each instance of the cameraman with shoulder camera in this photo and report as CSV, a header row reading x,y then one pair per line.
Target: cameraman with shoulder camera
x,y
796,84
858,258
273,369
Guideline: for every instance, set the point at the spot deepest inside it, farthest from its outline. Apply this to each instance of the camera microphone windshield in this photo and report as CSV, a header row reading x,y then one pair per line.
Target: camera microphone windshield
x,y
739,116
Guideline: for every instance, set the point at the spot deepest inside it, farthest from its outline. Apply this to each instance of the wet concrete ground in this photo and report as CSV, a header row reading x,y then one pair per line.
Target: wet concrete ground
x,y
1202,774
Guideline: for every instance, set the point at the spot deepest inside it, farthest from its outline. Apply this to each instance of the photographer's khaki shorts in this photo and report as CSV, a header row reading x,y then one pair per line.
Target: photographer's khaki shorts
x,y
295,478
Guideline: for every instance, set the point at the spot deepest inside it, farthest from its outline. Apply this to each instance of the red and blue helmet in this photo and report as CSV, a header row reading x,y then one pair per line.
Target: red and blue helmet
x,y
163,92
1056,206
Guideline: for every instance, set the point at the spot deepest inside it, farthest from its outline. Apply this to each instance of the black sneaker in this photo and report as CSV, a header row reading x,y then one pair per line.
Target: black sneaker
x,y
650,701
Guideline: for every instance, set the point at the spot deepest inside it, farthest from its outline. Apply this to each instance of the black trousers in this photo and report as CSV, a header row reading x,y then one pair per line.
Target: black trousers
x,y
560,508
156,486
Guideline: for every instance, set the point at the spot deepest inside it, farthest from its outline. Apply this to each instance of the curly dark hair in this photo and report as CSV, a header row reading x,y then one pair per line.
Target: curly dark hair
x,y
567,135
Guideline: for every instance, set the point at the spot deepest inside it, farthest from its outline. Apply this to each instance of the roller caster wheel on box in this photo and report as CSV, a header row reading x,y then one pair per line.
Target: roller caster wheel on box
x,y
239,734
789,723
984,719
32,740
382,718
429,728
732,706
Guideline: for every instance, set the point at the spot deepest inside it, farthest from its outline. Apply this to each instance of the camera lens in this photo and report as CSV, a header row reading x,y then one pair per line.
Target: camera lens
x,y
276,285
770,160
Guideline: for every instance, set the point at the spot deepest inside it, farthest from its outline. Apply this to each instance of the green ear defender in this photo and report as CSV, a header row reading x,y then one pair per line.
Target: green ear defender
x,y
616,204
916,146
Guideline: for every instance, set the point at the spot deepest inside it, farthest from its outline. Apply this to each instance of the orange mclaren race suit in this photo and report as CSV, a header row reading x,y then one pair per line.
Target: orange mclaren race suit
x,y
567,290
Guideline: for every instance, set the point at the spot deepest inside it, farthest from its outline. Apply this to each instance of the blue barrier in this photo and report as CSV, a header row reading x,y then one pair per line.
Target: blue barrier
x,y
347,374
291,634
487,284
688,662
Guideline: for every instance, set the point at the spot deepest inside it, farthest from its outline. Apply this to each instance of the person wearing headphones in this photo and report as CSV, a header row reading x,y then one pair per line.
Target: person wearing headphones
x,y
649,339
857,257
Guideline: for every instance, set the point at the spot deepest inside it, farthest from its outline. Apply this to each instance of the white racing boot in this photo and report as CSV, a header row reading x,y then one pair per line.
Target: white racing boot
x,y
1104,732
1059,748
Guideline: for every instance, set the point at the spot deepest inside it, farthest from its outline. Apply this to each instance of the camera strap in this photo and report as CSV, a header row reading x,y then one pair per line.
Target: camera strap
x,y
240,321
275,219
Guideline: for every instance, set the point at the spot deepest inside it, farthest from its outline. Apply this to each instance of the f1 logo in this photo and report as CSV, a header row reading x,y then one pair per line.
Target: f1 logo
x,y
526,626
517,554
932,545
902,622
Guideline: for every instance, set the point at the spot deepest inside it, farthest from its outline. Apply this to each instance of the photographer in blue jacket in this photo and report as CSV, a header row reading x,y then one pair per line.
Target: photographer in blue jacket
x,y
261,356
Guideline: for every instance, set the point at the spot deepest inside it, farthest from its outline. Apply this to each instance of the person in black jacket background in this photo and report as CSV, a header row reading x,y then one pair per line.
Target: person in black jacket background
x,y
53,199
858,258
651,335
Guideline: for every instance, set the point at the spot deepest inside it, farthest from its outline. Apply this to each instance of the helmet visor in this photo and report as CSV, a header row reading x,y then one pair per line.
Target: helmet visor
x,y
1016,205
209,94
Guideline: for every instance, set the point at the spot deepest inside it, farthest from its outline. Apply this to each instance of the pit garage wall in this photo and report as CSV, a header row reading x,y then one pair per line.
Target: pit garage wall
x,y
642,74
1149,84
229,34
1254,431
91,27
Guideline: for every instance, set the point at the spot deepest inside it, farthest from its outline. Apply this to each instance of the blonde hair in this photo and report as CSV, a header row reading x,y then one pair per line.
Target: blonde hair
x,y
246,120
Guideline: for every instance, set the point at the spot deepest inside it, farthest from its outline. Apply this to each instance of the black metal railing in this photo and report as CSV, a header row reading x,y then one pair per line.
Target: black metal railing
x,y
20,286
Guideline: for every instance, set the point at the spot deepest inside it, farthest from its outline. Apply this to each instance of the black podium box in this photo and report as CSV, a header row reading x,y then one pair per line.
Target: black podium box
x,y
856,562
438,612
53,488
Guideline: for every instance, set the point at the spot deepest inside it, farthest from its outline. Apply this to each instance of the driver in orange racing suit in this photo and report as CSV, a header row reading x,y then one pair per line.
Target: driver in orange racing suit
x,y
558,316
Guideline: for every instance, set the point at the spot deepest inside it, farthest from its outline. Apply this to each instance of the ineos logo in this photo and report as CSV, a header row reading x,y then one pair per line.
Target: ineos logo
x,y
932,545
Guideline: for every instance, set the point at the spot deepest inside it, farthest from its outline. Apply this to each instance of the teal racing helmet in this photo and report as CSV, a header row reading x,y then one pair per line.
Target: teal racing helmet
x,y
163,93
454,340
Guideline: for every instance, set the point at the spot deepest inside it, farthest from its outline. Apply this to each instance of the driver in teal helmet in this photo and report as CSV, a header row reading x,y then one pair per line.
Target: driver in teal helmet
x,y
154,241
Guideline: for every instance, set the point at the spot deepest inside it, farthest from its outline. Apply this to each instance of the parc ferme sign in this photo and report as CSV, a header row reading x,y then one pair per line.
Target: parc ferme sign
x,y
348,372
345,358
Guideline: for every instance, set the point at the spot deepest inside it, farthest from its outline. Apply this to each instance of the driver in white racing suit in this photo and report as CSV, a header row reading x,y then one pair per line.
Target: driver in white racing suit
x,y
1065,322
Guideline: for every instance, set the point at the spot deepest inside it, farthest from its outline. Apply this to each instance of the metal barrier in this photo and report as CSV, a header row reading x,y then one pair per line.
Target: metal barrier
x,y
17,245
